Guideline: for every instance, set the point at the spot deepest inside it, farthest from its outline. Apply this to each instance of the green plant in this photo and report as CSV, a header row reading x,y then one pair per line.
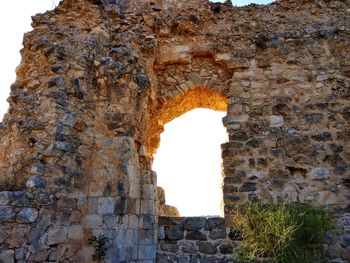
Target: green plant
x,y
99,243
285,233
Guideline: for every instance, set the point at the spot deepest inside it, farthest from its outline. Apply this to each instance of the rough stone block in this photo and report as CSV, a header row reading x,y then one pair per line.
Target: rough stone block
x,y
7,213
229,120
134,221
218,234
226,249
92,205
37,234
19,253
76,232
7,256
247,187
161,233
345,241
169,247
214,223
116,222
27,215
93,221
148,221
135,190
147,252
35,182
207,247
276,121
195,223
39,256
131,253
148,192
3,235
319,173
196,235
147,237
106,205
16,198
53,254
57,235
174,233
147,207
189,247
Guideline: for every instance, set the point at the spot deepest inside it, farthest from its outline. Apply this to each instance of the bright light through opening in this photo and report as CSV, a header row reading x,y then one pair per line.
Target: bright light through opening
x,y
188,162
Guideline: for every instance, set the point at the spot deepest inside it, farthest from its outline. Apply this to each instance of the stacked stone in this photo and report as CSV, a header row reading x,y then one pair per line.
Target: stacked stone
x,y
194,239
163,208
99,79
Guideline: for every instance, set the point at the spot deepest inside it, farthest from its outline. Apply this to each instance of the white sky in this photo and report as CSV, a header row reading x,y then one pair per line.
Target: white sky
x,y
188,162
15,20
190,185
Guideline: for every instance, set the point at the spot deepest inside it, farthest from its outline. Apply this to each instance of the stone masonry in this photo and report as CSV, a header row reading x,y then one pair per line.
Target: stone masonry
x,y
99,79
195,239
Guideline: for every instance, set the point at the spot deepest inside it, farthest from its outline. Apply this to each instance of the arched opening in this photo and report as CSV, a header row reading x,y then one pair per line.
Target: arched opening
x,y
188,162
200,185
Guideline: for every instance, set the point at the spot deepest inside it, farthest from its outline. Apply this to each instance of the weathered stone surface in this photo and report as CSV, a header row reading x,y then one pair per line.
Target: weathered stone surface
x,y
35,182
57,235
346,240
195,235
7,213
215,222
165,210
189,247
276,121
174,233
3,235
13,198
195,223
105,205
248,187
207,248
320,173
217,234
19,253
39,256
76,232
93,221
226,249
98,81
37,234
170,247
7,256
27,215
147,252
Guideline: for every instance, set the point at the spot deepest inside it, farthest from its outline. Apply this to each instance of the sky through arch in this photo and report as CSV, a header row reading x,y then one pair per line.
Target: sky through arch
x,y
188,162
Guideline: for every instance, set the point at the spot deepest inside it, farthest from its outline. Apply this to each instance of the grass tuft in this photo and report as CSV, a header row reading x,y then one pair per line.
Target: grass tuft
x,y
283,232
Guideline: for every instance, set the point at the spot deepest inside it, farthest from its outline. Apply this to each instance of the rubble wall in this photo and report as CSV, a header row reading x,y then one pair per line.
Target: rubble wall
x,y
98,81
195,239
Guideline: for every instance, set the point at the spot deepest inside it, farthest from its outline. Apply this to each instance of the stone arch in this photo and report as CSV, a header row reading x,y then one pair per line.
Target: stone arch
x,y
94,89
197,97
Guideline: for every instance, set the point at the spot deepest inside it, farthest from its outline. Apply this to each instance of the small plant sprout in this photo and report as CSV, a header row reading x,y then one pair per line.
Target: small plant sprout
x,y
99,243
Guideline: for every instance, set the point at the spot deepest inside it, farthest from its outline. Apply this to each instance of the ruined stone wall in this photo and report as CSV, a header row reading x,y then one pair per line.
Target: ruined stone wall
x,y
194,239
99,79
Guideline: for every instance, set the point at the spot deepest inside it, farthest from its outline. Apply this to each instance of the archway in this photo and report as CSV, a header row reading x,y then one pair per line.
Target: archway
x,y
165,112
188,163
170,110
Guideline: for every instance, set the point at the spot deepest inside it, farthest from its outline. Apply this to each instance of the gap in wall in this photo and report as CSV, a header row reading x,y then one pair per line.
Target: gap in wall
x,y
188,162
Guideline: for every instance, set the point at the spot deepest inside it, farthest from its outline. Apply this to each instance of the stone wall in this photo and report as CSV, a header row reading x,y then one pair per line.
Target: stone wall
x,y
98,81
195,239
163,208
208,239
